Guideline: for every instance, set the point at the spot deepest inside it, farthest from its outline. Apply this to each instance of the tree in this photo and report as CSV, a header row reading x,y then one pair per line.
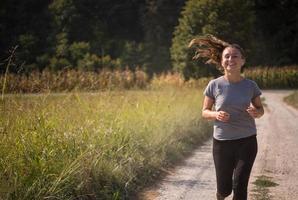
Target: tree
x,y
159,20
230,20
276,28
25,24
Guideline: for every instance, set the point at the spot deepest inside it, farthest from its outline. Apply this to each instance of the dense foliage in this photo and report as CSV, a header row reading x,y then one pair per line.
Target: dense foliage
x,y
91,35
276,30
83,34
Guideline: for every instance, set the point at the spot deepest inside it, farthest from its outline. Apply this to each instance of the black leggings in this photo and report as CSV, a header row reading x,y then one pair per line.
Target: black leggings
x,y
233,161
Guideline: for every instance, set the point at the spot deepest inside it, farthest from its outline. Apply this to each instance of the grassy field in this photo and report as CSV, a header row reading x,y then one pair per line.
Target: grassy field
x,y
105,145
292,99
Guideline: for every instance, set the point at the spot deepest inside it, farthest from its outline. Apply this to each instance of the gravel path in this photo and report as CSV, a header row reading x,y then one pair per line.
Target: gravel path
x,y
194,179
278,146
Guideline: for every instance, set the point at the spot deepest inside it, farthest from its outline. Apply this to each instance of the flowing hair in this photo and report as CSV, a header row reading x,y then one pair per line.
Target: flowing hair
x,y
210,48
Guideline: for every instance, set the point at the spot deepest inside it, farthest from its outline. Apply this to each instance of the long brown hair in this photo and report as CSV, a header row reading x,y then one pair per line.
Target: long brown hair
x,y
210,47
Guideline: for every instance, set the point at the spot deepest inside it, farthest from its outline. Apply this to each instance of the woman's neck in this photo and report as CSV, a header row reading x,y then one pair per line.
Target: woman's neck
x,y
233,78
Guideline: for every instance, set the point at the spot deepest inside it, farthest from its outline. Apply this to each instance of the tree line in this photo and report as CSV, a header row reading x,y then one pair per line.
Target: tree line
x,y
148,34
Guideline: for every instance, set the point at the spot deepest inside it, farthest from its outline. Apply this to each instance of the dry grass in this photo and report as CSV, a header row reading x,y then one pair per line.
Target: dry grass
x,y
74,80
70,80
292,99
274,77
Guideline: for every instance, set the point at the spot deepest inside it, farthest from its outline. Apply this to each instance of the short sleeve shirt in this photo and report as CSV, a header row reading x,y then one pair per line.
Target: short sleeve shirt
x,y
233,98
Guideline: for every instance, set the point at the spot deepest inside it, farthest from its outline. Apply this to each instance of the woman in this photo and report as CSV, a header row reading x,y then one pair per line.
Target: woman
x,y
237,103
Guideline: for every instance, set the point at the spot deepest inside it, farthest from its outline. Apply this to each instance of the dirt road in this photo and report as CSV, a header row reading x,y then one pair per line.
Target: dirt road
x,y
278,146
277,158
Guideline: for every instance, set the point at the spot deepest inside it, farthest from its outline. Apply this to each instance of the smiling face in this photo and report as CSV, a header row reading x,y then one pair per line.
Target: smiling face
x,y
232,59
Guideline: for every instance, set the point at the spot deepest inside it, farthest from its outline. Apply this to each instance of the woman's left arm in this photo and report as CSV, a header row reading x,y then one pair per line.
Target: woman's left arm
x,y
257,110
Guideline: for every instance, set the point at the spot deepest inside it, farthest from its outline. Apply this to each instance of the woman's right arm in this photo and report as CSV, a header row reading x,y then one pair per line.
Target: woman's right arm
x,y
209,114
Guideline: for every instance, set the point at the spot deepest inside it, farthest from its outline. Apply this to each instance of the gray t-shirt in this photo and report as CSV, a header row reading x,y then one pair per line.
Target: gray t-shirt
x,y
233,98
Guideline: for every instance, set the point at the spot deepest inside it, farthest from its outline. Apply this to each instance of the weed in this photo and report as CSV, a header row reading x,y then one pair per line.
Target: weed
x,y
292,99
261,190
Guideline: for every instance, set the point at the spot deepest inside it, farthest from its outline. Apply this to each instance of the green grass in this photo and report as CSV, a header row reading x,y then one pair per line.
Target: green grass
x,y
292,99
104,145
264,181
261,190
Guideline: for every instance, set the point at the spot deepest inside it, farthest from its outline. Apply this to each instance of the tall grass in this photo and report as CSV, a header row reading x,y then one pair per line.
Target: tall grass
x,y
105,79
103,145
75,80
4,76
274,77
69,80
176,80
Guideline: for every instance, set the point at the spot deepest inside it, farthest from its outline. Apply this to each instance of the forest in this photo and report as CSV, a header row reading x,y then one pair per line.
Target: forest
x,y
149,34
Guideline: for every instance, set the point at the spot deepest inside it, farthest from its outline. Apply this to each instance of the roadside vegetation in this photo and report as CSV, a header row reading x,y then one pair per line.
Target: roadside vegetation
x,y
292,99
103,145
76,134
261,189
274,77
107,80
88,81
